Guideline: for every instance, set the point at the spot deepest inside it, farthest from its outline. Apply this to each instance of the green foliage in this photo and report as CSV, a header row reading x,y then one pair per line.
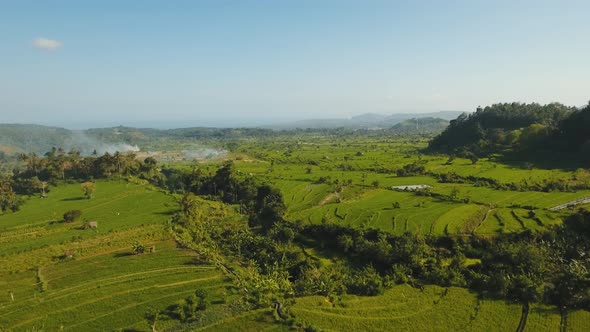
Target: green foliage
x,y
533,130
152,316
72,215
483,131
365,282
8,198
282,233
193,306
88,189
137,248
57,165
413,169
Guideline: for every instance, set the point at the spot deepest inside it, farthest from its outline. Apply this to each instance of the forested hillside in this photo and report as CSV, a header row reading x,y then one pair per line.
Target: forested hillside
x,y
16,138
529,129
509,127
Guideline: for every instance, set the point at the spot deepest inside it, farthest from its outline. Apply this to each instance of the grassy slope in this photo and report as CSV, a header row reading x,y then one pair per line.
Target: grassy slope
x,y
116,293
435,309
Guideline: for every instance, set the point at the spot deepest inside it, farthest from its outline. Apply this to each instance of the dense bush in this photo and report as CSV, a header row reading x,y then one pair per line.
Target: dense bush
x,y
415,168
72,215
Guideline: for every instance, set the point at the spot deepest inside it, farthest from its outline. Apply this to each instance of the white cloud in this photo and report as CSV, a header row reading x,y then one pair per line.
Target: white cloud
x,y
47,44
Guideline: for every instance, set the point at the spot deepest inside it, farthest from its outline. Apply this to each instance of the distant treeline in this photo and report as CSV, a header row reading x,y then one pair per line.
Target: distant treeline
x,y
527,129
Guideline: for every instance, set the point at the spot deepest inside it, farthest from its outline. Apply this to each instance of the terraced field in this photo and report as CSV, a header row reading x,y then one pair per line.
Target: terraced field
x,y
374,207
323,181
251,321
117,293
103,286
504,173
116,206
434,309
578,321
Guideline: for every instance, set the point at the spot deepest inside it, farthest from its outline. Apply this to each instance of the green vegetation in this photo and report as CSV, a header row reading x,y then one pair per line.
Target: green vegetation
x,y
537,132
302,230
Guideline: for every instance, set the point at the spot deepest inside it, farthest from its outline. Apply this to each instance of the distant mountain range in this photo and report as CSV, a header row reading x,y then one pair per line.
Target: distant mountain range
x,y
364,121
25,138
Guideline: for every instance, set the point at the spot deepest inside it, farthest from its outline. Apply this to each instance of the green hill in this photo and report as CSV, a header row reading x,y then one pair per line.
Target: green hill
x,y
552,132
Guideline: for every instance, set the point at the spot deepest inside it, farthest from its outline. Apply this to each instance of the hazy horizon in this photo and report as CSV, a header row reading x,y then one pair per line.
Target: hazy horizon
x,y
211,123
256,63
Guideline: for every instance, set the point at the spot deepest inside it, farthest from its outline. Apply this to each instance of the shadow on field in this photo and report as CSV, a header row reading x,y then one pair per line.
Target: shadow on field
x,y
545,311
122,254
547,161
73,199
167,213
196,261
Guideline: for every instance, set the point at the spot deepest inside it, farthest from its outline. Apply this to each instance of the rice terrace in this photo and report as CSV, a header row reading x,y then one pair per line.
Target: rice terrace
x,y
176,166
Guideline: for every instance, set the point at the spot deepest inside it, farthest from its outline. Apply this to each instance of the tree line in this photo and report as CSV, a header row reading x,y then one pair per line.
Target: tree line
x,y
37,172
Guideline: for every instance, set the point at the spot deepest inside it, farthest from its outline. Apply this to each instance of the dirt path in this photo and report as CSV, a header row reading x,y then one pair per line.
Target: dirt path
x,y
485,217
328,199
571,204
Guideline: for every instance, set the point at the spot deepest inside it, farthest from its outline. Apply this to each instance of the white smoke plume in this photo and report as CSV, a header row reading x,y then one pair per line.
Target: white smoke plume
x,y
204,153
87,145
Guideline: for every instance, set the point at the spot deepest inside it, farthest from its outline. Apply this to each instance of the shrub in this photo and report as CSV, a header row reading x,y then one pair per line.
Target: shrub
x,y
72,215
138,248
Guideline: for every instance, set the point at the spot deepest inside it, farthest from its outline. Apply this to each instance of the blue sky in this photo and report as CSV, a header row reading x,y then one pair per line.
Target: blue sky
x,y
185,63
